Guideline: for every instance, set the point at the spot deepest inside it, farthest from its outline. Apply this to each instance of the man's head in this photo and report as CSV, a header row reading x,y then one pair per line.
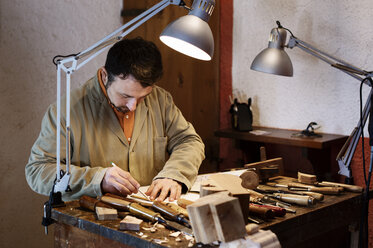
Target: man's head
x,y
131,69
136,57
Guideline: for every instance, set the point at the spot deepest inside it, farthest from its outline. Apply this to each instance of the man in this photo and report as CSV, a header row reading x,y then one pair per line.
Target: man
x,y
120,117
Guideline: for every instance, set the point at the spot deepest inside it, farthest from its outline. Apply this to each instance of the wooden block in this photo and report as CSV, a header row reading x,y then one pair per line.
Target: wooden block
x,y
216,217
130,223
228,218
201,218
106,213
306,178
231,183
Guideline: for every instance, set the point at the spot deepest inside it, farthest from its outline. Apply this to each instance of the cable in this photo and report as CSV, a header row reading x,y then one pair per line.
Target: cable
x,y
58,58
364,228
362,129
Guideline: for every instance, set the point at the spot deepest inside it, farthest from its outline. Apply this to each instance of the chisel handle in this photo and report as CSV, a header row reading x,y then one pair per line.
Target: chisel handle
x,y
317,196
351,188
302,200
264,213
322,190
91,203
279,212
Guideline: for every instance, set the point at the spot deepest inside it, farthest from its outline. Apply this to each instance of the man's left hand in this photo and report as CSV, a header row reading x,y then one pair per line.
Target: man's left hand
x,y
162,188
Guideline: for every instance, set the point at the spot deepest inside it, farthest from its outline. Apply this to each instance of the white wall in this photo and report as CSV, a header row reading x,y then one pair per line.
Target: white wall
x,y
316,92
31,33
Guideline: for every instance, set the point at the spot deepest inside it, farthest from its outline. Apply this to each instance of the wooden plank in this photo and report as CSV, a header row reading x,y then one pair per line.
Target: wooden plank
x,y
228,182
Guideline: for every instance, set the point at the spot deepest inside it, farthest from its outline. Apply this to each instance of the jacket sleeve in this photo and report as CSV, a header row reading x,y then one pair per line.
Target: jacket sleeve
x,y
185,147
41,168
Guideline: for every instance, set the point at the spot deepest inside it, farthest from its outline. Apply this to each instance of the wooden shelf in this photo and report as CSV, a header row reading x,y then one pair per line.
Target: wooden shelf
x,y
315,155
283,137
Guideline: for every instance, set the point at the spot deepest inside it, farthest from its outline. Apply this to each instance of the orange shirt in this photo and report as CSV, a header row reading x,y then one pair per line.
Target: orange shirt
x,y
126,120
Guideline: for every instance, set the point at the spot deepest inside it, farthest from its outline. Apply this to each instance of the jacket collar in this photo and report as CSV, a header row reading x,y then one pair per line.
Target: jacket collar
x,y
106,113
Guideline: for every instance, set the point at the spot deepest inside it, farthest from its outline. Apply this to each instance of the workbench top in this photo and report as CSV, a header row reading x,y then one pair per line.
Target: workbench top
x,y
74,224
71,220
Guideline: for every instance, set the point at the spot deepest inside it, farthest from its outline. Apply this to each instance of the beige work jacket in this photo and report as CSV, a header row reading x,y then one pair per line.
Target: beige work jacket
x,y
163,143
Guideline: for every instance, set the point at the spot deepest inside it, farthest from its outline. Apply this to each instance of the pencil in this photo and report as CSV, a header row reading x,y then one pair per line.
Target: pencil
x,y
112,163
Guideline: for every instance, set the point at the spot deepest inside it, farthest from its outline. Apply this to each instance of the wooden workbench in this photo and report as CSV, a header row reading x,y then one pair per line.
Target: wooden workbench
x,y
327,224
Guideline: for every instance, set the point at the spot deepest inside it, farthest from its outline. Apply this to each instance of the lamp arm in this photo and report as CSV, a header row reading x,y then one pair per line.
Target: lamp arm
x,y
70,64
331,60
346,153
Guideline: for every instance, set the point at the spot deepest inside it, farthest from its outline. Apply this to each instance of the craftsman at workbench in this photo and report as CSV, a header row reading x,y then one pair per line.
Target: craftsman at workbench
x,y
120,116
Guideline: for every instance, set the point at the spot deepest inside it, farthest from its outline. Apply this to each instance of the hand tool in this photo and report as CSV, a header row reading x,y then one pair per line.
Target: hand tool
x,y
142,193
302,200
348,187
91,203
263,213
158,206
322,190
278,211
169,210
269,189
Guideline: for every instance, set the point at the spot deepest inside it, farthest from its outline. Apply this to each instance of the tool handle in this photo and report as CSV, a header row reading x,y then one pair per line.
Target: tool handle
x,y
116,202
317,196
91,203
178,209
302,200
264,213
351,188
327,190
279,212
322,190
143,212
165,210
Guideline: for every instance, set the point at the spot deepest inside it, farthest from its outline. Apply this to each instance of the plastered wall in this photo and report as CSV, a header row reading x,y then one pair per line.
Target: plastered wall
x,y
31,33
316,92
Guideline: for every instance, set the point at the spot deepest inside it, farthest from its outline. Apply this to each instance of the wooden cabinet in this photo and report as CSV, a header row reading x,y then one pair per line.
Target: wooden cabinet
x,y
194,84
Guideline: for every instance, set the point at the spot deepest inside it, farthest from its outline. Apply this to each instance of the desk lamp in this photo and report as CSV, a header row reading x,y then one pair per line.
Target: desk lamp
x,y
189,35
274,60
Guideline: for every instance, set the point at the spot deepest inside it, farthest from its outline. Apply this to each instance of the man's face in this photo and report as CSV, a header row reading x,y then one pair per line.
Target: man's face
x,y
126,93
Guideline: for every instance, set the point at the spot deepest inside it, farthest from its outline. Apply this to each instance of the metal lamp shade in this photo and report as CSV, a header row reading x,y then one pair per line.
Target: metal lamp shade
x,y
273,61
191,36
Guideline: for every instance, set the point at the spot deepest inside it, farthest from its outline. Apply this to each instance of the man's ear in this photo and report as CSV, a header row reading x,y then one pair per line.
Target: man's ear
x,y
104,75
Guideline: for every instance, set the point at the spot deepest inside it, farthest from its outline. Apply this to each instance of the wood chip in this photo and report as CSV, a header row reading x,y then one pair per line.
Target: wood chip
x,y
174,234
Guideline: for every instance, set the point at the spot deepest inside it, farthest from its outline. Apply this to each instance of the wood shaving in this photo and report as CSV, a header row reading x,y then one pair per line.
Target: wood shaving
x,y
190,238
150,229
174,234
159,226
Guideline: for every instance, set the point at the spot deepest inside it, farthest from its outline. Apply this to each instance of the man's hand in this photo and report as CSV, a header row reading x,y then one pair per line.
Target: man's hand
x,y
118,181
163,187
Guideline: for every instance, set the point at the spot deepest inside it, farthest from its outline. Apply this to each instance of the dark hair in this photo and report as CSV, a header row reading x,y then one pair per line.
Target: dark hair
x,y
136,57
